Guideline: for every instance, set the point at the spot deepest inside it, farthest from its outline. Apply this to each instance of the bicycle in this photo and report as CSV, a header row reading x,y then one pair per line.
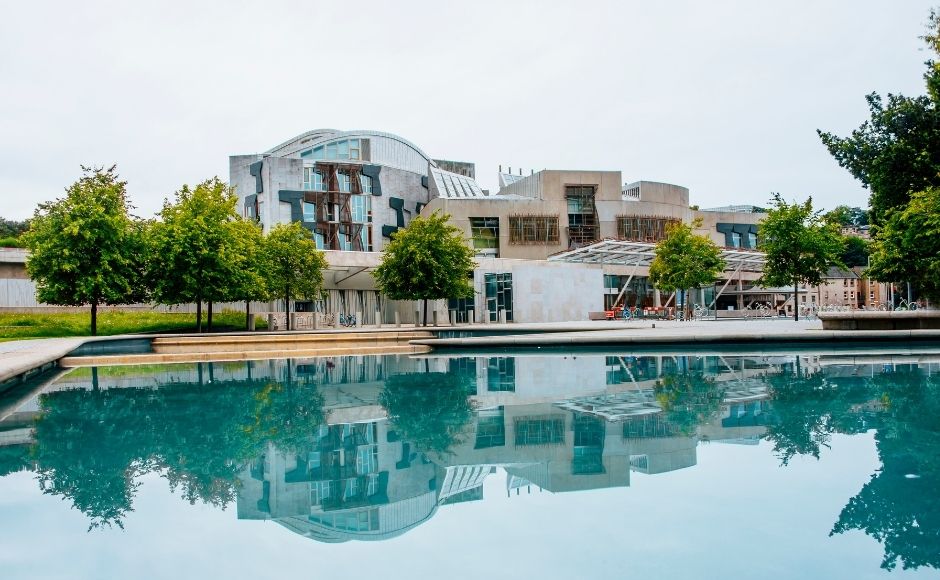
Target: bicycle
x,y
347,320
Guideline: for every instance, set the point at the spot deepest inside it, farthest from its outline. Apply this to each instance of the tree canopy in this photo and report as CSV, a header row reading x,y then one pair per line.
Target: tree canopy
x,y
428,260
198,247
685,260
800,245
908,245
897,151
86,249
293,266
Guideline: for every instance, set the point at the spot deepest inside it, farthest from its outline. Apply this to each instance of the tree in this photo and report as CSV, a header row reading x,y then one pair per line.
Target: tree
x,y
428,260
247,280
13,228
293,264
685,260
854,251
196,249
430,410
85,249
897,151
908,245
848,217
800,246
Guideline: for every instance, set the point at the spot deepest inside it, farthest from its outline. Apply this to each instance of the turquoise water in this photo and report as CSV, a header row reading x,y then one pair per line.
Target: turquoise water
x,y
562,465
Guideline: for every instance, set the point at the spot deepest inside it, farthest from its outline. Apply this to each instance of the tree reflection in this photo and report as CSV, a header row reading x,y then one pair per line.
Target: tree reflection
x,y
900,505
92,445
430,410
688,400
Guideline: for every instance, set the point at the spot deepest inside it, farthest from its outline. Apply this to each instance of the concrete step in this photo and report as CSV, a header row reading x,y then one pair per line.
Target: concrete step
x,y
273,342
191,357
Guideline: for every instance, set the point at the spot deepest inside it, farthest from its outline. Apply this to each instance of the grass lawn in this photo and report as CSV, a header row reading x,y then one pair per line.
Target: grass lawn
x,y
19,326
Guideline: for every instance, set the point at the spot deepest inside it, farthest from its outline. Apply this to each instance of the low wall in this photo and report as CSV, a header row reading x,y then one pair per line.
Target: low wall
x,y
878,320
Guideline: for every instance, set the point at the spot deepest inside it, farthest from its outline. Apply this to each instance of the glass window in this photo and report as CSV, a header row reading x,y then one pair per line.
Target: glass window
x,y
313,179
317,152
345,184
354,149
365,183
331,151
318,238
310,211
359,206
484,233
342,149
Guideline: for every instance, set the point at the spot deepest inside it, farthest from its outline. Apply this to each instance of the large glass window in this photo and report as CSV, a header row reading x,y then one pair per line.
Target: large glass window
x,y
533,230
359,208
313,179
484,233
582,215
343,181
643,228
498,295
365,182
343,149
310,211
540,431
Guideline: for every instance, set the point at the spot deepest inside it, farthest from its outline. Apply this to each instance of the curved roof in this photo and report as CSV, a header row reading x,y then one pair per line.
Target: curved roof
x,y
318,136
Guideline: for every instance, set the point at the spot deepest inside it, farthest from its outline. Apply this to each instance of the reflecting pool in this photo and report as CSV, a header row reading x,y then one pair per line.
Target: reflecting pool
x,y
537,464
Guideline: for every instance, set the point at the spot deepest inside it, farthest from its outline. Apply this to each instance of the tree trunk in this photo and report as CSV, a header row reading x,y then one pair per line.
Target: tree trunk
x,y
425,311
94,318
199,315
209,318
287,309
796,303
247,314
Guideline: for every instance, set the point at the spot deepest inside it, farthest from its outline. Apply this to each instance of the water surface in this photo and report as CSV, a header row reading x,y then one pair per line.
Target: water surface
x,y
561,465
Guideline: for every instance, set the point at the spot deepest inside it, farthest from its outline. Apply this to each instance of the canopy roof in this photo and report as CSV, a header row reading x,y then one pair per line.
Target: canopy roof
x,y
627,253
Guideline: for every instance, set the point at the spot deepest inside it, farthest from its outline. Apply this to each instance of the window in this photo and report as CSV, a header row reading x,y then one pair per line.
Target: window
x,y
354,149
540,431
365,183
484,234
310,211
318,239
500,374
313,179
359,208
643,228
367,459
533,230
345,184
582,215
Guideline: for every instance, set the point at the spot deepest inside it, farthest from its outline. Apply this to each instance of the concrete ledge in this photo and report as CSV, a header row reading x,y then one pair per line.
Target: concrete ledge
x,y
671,338
878,320
190,357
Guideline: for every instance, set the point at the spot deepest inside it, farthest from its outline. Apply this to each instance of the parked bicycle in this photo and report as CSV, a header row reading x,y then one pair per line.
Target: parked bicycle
x,y
347,320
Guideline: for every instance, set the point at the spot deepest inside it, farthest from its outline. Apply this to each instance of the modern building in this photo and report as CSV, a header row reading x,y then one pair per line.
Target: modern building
x,y
354,189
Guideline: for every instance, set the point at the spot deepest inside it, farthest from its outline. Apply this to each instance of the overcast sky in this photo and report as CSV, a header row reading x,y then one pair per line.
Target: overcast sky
x,y
721,97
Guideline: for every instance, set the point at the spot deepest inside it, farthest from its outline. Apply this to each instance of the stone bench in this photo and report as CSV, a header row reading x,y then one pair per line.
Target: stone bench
x,y
879,320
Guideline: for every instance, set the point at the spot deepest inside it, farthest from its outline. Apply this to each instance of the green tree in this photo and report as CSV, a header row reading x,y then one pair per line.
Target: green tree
x,y
13,228
685,260
430,410
85,249
907,247
428,260
897,151
854,251
847,217
196,250
293,264
800,246
247,279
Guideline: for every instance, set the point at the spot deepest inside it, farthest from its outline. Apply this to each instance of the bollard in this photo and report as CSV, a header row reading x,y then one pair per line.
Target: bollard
x,y
397,319
293,320
501,316
251,323
434,317
358,318
471,316
486,317
315,320
417,317
271,322
453,317
378,319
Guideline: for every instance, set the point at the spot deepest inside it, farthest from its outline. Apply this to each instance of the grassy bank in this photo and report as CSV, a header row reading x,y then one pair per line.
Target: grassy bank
x,y
18,326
